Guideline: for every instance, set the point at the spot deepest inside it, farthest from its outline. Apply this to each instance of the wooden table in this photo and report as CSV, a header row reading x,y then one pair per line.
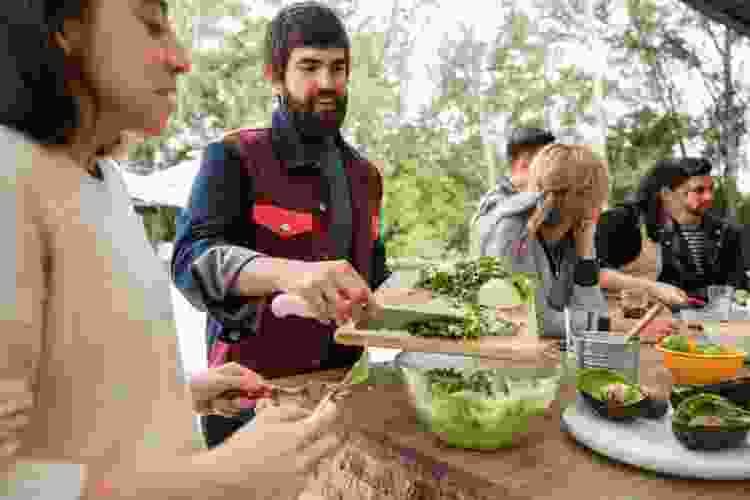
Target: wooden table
x,y
388,456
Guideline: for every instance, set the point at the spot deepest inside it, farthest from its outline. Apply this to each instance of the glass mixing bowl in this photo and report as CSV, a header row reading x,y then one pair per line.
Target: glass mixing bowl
x,y
478,404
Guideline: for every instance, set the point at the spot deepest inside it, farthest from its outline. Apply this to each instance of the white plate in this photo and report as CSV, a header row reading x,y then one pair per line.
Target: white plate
x,y
651,445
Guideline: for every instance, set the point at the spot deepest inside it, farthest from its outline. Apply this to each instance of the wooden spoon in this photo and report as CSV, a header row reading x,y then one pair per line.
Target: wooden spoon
x,y
647,318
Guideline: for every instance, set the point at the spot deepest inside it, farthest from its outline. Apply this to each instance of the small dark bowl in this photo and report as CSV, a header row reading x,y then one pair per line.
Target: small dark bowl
x,y
709,438
618,414
654,408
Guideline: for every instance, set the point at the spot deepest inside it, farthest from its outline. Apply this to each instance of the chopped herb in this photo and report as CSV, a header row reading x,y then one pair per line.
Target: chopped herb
x,y
462,285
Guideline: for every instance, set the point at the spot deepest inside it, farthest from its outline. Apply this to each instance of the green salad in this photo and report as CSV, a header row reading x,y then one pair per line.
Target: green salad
x,y
482,409
681,343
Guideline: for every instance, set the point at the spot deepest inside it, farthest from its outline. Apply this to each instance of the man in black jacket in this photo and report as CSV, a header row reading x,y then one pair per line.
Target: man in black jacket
x,y
697,248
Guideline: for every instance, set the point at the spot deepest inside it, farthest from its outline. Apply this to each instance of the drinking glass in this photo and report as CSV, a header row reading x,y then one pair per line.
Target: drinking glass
x,y
720,298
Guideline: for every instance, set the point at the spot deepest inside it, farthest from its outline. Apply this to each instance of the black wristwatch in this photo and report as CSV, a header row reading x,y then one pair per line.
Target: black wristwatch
x,y
586,273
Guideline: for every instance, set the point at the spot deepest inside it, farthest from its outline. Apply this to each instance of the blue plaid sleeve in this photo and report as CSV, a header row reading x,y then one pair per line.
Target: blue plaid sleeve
x,y
212,244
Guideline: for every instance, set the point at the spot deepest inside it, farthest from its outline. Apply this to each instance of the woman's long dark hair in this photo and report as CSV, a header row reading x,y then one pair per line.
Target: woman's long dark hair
x,y
670,173
33,95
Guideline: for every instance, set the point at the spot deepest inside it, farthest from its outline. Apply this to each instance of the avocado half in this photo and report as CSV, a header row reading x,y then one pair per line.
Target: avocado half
x,y
736,390
593,383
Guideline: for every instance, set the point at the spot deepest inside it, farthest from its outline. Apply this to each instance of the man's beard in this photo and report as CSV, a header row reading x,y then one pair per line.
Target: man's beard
x,y
310,124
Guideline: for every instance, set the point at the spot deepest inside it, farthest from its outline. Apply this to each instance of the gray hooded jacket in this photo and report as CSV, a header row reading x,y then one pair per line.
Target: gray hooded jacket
x,y
502,232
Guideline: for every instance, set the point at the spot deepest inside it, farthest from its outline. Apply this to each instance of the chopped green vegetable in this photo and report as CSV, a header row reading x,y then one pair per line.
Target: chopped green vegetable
x,y
361,369
709,349
481,409
462,285
676,343
472,327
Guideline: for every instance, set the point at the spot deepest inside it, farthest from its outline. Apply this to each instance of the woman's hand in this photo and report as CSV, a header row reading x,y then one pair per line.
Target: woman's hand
x,y
657,329
210,390
652,333
668,294
584,238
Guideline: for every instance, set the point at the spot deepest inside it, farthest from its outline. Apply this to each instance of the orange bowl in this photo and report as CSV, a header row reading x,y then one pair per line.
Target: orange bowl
x,y
698,369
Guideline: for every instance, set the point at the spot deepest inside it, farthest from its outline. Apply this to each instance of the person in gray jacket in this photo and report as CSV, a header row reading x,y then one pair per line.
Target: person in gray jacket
x,y
548,229
523,145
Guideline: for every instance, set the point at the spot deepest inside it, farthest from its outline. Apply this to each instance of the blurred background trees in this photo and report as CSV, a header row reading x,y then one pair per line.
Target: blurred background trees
x,y
620,75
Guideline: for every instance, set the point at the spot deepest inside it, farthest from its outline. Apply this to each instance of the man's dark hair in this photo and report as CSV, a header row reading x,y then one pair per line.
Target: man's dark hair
x,y
670,173
33,96
527,138
302,24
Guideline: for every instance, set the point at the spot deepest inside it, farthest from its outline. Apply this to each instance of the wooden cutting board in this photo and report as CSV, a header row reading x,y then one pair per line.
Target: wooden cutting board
x,y
520,348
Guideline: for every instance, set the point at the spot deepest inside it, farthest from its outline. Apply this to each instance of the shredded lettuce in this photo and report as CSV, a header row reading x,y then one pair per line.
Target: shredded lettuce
x,y
481,409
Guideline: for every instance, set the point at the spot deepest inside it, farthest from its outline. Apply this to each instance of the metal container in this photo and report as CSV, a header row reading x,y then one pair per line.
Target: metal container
x,y
595,349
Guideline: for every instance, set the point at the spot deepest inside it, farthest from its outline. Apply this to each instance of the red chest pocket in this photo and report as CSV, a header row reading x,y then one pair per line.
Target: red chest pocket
x,y
286,224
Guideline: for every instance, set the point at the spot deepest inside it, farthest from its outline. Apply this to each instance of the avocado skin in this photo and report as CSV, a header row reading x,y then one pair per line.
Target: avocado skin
x,y
737,391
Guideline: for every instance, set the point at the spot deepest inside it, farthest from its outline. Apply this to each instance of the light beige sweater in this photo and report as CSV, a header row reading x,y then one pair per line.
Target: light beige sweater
x,y
86,318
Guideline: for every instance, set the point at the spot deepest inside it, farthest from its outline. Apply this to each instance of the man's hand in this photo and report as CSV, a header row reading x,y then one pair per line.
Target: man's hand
x,y
210,387
331,290
272,456
668,294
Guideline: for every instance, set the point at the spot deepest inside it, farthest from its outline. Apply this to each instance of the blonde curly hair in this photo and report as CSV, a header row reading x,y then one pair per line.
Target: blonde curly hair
x,y
572,178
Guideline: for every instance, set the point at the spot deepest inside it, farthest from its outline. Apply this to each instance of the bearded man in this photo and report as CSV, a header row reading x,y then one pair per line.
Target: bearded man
x,y
290,209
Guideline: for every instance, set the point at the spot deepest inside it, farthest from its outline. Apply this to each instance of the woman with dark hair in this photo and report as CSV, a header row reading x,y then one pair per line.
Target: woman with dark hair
x,y
90,373
664,242
628,251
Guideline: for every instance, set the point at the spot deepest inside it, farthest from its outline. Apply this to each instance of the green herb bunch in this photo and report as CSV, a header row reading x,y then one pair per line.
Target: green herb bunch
x,y
462,284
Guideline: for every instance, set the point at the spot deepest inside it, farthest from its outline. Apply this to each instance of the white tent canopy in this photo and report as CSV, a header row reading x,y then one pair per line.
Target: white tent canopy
x,y
169,187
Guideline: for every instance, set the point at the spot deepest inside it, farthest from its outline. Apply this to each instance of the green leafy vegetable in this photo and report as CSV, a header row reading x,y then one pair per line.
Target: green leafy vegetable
x,y
462,285
709,349
473,326
361,369
481,409
676,343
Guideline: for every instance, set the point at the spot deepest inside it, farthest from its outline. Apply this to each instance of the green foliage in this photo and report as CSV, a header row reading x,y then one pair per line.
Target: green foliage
x,y
435,168
636,142
423,209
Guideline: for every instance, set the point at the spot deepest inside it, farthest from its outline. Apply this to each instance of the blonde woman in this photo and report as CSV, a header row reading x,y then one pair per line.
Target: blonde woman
x,y
549,229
